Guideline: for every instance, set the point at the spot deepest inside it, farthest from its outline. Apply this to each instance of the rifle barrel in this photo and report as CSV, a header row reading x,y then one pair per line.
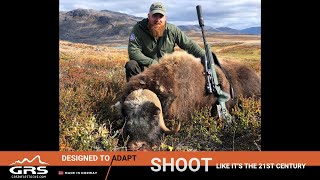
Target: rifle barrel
x,y
200,18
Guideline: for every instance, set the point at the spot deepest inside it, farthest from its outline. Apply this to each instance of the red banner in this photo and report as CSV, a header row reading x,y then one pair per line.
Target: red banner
x,y
279,159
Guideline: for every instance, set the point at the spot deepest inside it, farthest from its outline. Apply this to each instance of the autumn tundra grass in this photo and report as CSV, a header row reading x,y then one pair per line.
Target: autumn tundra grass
x,y
92,78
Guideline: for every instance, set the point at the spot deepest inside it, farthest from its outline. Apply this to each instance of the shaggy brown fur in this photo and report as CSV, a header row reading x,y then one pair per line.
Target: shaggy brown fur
x,y
179,82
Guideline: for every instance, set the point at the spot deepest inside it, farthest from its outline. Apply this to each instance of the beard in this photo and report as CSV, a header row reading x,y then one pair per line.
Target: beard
x,y
157,30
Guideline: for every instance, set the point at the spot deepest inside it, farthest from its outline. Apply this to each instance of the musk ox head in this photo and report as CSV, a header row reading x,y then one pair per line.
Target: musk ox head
x,y
144,121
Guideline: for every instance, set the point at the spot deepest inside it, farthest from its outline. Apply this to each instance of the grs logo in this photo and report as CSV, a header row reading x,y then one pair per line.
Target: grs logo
x,y
24,169
28,170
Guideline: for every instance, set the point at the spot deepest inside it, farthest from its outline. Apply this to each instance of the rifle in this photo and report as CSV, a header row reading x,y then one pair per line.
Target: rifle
x,y
212,84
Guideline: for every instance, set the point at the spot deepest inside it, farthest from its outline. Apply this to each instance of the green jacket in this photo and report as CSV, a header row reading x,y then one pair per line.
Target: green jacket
x,y
147,50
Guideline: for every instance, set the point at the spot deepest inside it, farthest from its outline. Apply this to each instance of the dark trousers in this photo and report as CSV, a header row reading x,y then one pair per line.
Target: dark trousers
x,y
133,68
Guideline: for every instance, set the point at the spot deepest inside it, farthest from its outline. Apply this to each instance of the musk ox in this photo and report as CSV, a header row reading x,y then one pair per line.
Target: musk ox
x,y
173,89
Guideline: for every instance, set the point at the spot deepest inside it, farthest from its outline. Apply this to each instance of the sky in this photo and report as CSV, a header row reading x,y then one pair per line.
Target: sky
x,y
236,14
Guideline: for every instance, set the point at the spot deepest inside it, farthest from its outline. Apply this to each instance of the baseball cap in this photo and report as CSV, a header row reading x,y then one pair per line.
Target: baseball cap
x,y
157,7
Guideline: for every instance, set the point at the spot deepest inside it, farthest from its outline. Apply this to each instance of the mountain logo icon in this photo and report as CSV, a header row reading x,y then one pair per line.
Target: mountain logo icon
x,y
26,160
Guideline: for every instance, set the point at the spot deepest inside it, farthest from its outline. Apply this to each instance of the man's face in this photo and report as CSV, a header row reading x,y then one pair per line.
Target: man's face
x,y
156,24
156,19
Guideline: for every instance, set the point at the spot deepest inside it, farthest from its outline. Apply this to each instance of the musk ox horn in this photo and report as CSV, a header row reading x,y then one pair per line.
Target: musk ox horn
x,y
147,95
167,130
154,98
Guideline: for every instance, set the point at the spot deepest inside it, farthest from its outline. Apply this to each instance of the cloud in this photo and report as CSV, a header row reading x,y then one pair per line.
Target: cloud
x,y
237,14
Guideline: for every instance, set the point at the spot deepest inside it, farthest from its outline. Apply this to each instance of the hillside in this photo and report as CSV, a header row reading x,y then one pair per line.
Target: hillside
x,y
94,27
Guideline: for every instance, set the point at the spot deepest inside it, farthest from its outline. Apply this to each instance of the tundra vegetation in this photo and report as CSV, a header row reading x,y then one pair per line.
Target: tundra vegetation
x,y
92,77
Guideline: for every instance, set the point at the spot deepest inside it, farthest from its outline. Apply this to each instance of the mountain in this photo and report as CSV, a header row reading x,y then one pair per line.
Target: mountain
x,y
100,27
94,27
189,28
229,30
197,28
222,30
251,30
